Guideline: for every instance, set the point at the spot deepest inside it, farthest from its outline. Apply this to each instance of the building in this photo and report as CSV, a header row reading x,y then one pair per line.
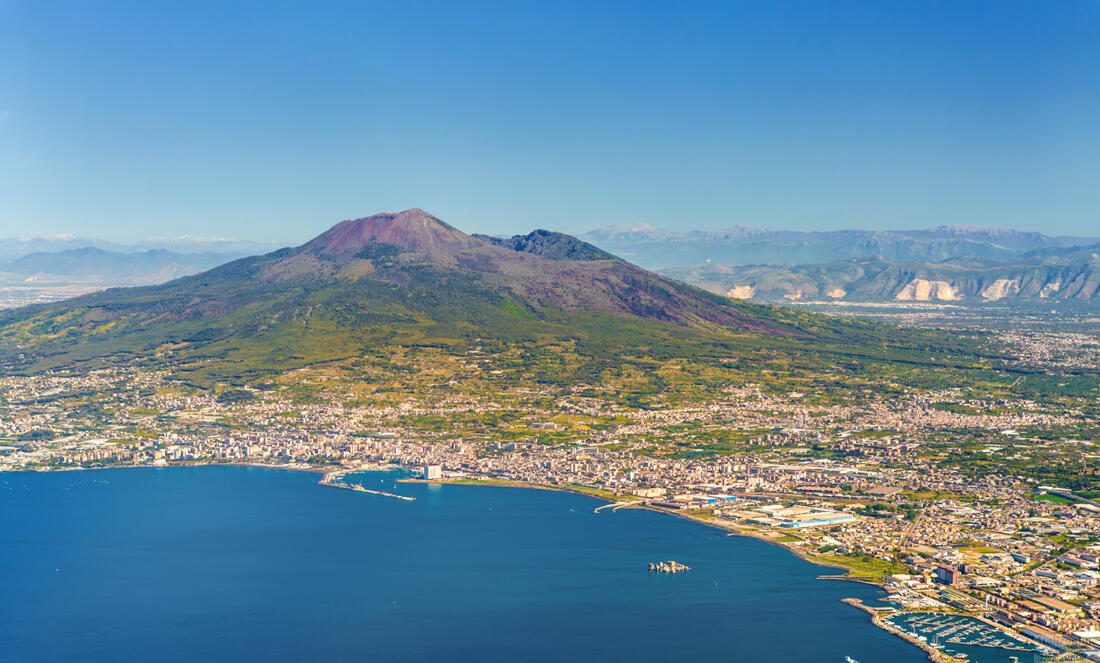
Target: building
x,y
947,575
432,472
819,520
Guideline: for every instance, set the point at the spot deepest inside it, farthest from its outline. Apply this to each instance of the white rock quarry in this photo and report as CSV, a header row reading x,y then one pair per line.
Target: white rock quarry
x,y
1000,289
741,292
1050,288
923,290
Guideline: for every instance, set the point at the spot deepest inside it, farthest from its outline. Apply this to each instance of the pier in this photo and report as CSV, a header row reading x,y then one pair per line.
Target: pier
x,y
332,479
615,506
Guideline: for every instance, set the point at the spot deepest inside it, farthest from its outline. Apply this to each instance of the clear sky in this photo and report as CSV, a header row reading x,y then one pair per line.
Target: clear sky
x,y
273,120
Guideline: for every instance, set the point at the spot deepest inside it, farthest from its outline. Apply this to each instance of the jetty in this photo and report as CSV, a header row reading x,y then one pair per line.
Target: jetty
x,y
670,566
615,506
332,479
358,487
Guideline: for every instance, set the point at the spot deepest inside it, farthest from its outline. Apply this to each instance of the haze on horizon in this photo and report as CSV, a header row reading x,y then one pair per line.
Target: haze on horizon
x,y
267,121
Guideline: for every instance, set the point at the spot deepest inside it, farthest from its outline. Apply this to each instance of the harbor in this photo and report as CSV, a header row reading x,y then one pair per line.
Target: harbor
x,y
934,654
963,637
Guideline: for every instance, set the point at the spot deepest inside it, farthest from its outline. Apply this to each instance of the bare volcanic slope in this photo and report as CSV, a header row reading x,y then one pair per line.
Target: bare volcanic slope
x,y
409,279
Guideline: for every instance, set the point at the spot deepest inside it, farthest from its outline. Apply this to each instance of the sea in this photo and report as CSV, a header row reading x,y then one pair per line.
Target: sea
x,y
254,564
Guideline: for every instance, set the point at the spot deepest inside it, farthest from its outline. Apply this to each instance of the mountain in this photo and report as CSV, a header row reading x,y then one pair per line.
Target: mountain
x,y
12,248
46,268
48,276
655,248
1084,253
410,280
113,267
190,245
1057,274
550,244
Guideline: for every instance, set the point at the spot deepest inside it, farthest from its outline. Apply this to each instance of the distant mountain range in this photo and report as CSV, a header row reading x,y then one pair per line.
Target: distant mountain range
x,y
47,268
111,267
1071,274
12,248
656,248
966,264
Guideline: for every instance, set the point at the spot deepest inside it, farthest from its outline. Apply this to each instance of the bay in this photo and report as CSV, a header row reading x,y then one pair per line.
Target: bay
x,y
241,563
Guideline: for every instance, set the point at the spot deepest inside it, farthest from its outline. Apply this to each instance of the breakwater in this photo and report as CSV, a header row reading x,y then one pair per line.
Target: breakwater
x,y
333,479
934,655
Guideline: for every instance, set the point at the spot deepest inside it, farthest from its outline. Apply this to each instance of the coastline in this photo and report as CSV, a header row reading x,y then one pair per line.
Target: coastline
x,y
934,655
326,470
249,488
296,467
728,528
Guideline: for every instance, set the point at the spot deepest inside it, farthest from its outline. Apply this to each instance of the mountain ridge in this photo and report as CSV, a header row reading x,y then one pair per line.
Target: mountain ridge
x,y
1071,274
656,248
94,262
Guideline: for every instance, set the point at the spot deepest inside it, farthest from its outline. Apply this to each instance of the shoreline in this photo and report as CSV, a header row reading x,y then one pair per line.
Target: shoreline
x,y
316,469
501,483
934,655
730,530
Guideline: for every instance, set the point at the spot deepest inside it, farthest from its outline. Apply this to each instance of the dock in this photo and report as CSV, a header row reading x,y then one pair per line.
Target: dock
x,y
332,480
615,506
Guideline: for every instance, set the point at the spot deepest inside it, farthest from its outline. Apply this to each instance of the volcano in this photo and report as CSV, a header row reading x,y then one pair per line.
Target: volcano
x,y
403,278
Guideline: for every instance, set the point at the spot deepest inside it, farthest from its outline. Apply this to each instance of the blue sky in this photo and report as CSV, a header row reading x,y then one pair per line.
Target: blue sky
x,y
274,120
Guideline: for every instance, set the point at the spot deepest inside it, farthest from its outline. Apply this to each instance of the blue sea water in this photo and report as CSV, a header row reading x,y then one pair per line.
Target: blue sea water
x,y
233,563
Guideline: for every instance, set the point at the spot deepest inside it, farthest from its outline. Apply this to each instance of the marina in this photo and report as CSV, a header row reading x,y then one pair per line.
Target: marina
x,y
965,638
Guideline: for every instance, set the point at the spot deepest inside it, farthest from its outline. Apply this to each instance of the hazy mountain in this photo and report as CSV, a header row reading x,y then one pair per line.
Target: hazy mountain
x,y
49,268
113,267
15,247
1047,275
410,279
12,248
189,244
655,248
